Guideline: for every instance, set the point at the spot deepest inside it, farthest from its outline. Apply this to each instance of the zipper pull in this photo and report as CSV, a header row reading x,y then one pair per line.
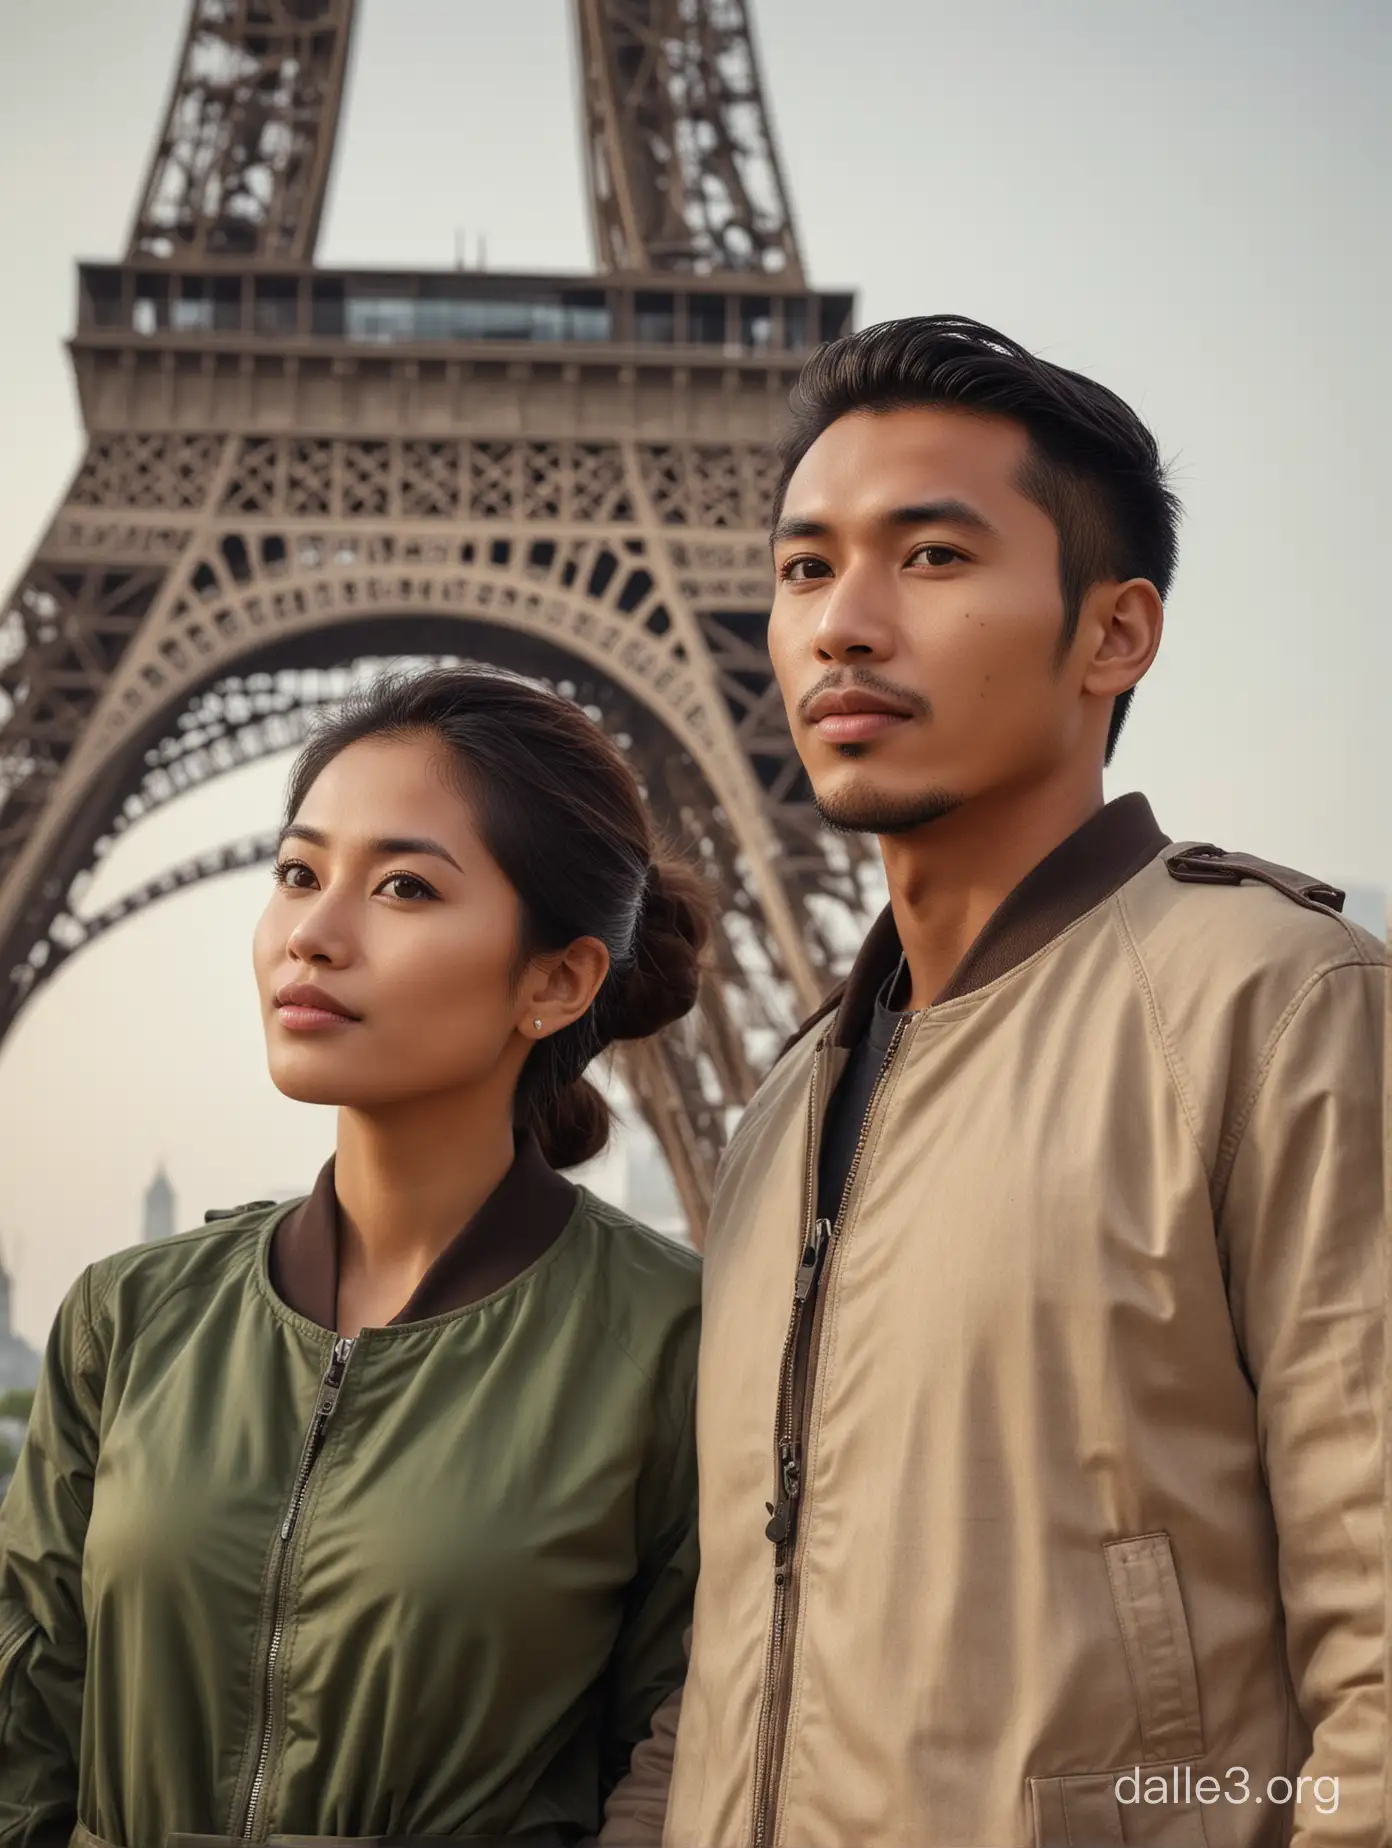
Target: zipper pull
x,y
338,1362
813,1253
790,1471
333,1375
790,1482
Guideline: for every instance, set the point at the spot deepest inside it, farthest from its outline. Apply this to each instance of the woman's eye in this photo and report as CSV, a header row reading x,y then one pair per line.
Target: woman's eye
x,y
938,555
294,874
803,570
406,886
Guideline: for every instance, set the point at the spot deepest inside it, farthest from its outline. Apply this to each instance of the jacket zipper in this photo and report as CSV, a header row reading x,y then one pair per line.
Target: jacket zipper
x,y
797,1380
780,1511
329,1387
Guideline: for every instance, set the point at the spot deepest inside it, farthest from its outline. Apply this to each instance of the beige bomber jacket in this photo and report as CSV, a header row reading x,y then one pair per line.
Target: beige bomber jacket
x,y
1084,1395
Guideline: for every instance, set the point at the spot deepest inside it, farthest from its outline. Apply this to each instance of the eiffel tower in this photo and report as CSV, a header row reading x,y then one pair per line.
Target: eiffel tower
x,y
293,473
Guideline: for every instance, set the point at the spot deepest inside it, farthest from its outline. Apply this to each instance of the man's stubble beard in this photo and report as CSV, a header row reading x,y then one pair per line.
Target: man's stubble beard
x,y
862,809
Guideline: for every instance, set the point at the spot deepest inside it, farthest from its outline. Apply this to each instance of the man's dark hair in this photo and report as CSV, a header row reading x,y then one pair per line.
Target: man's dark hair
x,y
1093,466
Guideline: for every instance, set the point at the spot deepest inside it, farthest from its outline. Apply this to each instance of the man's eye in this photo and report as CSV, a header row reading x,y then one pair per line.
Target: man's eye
x,y
938,555
406,886
294,874
802,570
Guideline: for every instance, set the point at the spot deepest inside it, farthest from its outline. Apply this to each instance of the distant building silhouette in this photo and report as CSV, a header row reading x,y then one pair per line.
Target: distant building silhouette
x,y
159,1208
19,1364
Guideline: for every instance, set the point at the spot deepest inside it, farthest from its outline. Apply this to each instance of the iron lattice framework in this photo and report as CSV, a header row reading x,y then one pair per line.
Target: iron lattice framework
x,y
684,170
242,164
293,474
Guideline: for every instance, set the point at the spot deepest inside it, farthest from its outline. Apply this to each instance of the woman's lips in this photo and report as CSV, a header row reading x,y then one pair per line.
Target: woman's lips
x,y
298,1019
851,727
304,1007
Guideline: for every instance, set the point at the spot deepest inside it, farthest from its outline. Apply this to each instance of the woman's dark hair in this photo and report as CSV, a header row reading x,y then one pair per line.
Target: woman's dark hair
x,y
1093,466
560,811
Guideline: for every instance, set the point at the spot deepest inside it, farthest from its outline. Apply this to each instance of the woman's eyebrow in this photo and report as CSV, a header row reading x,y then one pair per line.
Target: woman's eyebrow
x,y
380,849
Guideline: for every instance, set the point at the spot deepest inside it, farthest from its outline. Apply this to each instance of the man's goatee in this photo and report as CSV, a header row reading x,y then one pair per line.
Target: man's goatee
x,y
862,810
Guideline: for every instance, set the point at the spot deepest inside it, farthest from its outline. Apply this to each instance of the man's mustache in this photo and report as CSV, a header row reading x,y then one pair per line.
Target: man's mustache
x,y
839,679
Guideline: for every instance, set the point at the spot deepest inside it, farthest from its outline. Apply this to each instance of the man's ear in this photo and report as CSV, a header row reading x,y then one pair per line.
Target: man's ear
x,y
1125,622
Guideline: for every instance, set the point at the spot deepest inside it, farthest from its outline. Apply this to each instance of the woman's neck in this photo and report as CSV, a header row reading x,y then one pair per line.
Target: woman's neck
x,y
407,1181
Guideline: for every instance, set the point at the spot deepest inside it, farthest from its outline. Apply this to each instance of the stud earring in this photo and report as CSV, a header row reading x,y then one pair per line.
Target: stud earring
x,y
536,1022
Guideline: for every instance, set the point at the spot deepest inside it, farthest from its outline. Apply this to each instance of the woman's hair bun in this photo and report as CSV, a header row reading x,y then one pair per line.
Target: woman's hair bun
x,y
570,1119
571,1127
664,979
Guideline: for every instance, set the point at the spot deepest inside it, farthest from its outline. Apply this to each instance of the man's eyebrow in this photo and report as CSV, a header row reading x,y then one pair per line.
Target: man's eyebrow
x,y
925,513
389,844
798,529
940,513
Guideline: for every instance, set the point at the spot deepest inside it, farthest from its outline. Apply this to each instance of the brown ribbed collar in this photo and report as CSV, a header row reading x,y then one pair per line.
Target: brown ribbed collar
x,y
1095,861
523,1217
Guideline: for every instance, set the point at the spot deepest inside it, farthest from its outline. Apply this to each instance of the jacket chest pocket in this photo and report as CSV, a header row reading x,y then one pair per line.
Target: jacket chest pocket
x,y
1149,1803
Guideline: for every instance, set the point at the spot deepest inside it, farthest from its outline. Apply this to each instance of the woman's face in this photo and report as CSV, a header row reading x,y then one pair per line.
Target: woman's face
x,y
386,958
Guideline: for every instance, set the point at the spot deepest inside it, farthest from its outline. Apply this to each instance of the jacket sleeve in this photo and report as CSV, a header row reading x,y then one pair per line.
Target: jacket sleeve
x,y
43,1636
637,1810
1302,1223
650,1658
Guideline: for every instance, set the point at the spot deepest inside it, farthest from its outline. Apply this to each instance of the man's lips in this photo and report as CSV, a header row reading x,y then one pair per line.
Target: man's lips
x,y
302,1008
855,713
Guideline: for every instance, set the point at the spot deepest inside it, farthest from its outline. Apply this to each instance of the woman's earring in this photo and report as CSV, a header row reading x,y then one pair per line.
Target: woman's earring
x,y
536,1022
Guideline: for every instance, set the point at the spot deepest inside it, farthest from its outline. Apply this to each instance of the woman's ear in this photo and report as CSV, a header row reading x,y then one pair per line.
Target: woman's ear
x,y
560,986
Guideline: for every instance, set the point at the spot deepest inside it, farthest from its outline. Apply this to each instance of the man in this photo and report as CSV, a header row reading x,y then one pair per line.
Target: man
x,y
1039,1406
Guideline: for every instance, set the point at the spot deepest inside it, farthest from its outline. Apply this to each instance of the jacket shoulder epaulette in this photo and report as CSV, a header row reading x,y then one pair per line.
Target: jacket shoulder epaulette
x,y
235,1212
1205,864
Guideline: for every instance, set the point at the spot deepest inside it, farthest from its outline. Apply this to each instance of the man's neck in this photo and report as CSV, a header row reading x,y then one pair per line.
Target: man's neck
x,y
946,879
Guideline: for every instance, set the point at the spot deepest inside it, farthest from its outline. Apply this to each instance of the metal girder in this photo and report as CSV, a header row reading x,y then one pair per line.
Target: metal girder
x,y
683,165
60,639
74,934
242,163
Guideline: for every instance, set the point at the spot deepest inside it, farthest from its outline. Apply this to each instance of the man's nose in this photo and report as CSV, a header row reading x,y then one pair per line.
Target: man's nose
x,y
856,621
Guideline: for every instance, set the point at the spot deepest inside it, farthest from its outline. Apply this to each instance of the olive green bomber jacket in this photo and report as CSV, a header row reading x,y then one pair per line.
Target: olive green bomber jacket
x,y
256,1581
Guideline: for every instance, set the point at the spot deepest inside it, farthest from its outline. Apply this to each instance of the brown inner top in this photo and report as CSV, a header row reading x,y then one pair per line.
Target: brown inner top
x,y
523,1217
1095,861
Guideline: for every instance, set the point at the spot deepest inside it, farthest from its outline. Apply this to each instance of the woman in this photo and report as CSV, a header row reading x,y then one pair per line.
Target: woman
x,y
338,1520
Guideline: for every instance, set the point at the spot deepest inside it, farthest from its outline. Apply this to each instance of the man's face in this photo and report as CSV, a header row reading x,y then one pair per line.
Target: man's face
x,y
916,623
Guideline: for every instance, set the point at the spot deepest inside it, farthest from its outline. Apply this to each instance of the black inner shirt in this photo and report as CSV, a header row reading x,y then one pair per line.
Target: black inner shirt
x,y
850,1101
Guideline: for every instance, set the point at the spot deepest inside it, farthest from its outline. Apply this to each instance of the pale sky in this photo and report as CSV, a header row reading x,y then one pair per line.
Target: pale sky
x,y
1185,198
